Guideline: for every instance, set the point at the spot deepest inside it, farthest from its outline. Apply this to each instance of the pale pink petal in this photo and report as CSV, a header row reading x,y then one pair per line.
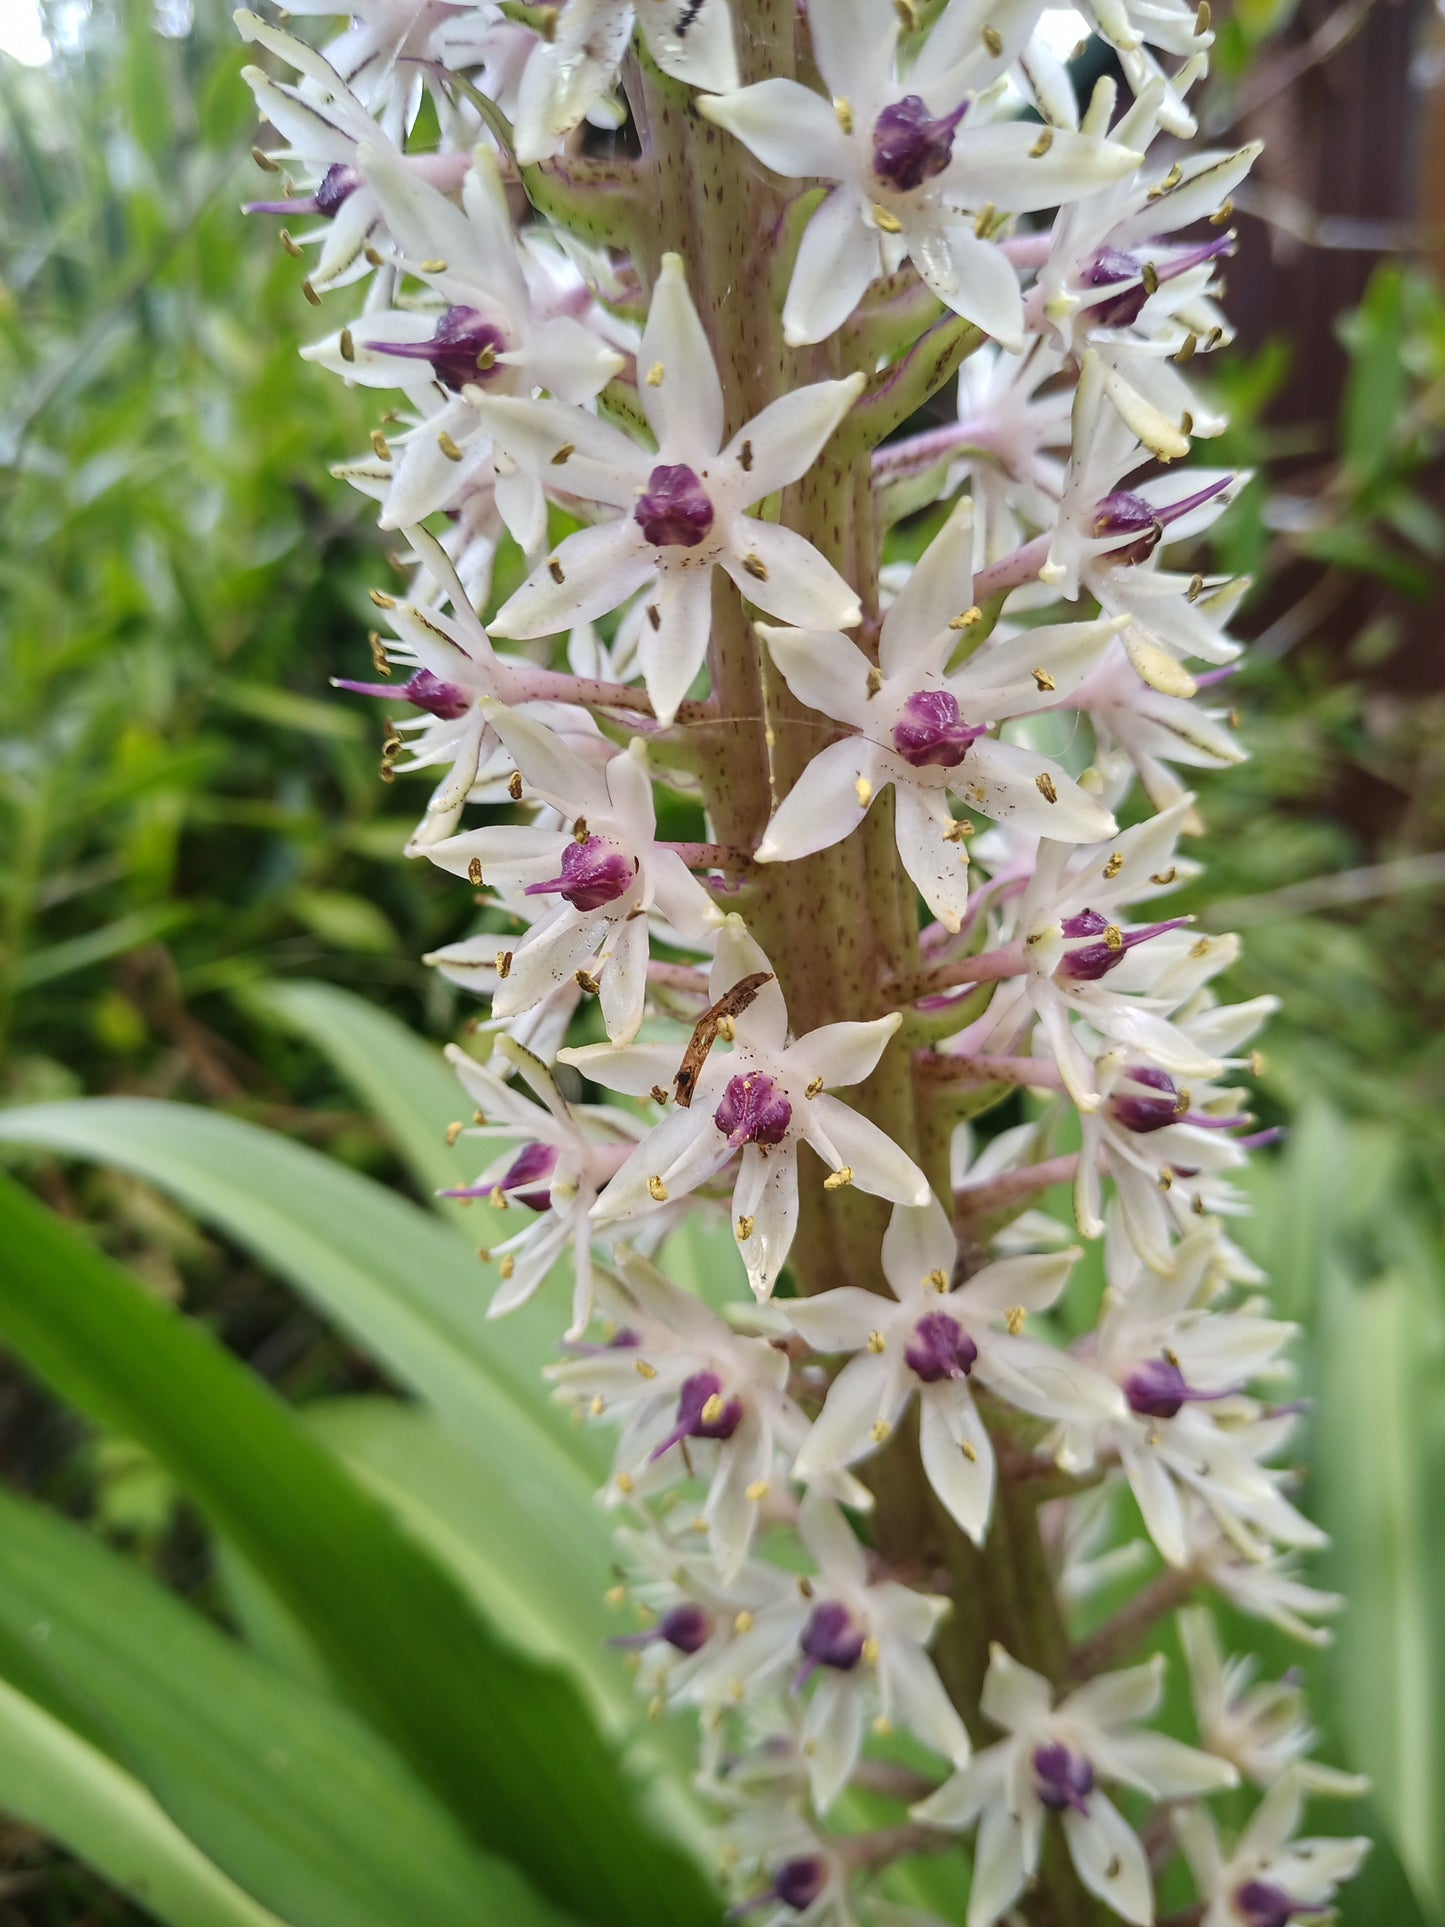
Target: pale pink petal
x,y
1032,1282
1002,164
1000,681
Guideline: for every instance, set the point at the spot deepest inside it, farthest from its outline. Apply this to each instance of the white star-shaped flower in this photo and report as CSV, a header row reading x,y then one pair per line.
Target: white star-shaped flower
x,y
935,1342
1052,1762
915,161
606,874
684,506
924,729
862,1644
762,1097
1270,1878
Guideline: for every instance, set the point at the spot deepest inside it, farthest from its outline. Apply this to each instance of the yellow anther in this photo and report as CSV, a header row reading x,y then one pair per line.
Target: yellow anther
x,y
969,619
623,1482
507,1265
655,374
448,447
1217,219
656,1189
969,1453
1201,949
504,964
1044,784
877,1342
985,220
615,1596
1043,681
586,982
889,223
713,1410
993,40
347,345
564,454
871,1650
643,1369
435,266
875,681
863,790
383,448
745,1228
1113,936
881,1429
882,1726
310,293
815,1088
937,1280
497,1198
757,1491
727,1029
1161,877
598,1406
843,109
755,566
1113,866
1013,1320
1042,145
514,786
835,1180
474,870
454,1131
743,1622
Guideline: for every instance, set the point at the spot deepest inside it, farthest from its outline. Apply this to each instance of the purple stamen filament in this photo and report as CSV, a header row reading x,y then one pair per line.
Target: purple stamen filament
x,y
447,700
464,348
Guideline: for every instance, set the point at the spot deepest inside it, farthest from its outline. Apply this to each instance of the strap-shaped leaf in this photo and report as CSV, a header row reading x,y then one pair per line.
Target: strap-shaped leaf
x,y
297,1799
506,1744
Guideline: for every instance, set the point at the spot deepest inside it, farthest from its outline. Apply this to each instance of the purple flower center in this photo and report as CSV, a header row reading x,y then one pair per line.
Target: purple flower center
x,y
463,348
931,730
753,1111
1094,960
686,1628
910,146
533,1163
1259,1903
1158,1389
940,1348
1135,517
797,1884
1108,267
338,183
675,512
832,1637
423,690
702,1412
1144,1114
593,874
1062,1779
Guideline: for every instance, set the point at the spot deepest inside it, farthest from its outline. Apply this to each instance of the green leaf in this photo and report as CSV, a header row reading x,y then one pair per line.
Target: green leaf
x,y
54,1779
406,1084
506,1744
289,1792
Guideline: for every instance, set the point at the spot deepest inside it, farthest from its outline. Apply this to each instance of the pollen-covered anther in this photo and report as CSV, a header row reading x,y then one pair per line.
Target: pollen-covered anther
x,y
877,1342
1014,1320
993,40
454,1131
815,1088
1046,787
843,111
863,790
836,1180
1042,145
655,375
504,964
586,983
474,871
757,1491
745,1229
967,618
656,1189
881,1430
643,1369
514,786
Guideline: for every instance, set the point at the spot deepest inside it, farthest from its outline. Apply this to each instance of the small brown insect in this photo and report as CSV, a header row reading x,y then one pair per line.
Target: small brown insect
x,y
731,1004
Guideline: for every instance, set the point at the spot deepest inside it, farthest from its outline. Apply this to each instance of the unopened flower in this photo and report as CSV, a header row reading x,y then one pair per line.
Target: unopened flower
x,y
1055,1761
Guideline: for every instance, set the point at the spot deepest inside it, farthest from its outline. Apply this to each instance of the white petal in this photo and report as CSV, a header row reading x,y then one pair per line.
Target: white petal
x,y
1000,682
623,978
832,1735
1001,164
684,406
853,43
1033,1282
789,128
603,465
766,1192
937,865
877,1163
913,1694
837,1321
600,568
798,585
1003,780
1166,1769
832,1541
974,278
837,258
842,1054
947,1418
789,434
843,1431
823,669
999,1871
568,359
671,652
1013,1696
731,1514
939,587
693,43
919,1241
549,767
827,803
634,1069
1110,1860
1158,1499
686,1145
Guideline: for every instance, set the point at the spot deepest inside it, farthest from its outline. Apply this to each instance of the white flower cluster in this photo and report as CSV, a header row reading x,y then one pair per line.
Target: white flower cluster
x,y
884,1468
